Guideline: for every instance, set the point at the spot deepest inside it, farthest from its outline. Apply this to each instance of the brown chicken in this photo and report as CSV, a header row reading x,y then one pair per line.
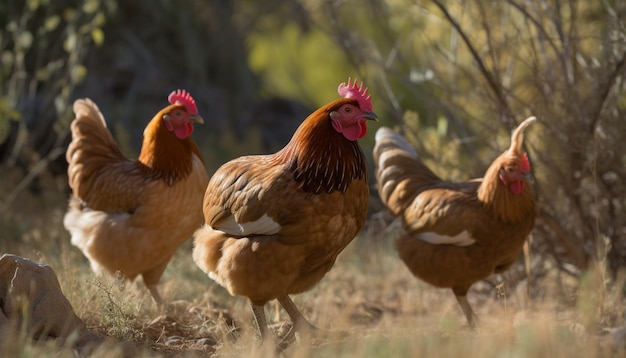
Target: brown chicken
x,y
276,223
456,233
131,215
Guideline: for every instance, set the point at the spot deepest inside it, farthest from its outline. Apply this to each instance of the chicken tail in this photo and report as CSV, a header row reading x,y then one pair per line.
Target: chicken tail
x,y
91,147
400,174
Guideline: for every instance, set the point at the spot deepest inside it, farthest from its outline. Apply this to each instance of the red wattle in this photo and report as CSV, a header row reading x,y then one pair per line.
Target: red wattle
x,y
355,132
517,187
184,131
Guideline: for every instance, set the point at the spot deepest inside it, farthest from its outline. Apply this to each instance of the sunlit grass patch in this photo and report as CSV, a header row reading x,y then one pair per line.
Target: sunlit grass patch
x,y
369,295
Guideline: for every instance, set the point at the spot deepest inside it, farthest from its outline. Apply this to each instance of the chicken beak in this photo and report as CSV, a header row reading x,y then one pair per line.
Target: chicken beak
x,y
370,115
529,177
196,119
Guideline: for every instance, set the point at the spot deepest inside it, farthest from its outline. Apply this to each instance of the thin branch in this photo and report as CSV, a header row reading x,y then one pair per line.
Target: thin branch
x,y
25,182
603,92
563,238
537,24
555,16
491,48
493,84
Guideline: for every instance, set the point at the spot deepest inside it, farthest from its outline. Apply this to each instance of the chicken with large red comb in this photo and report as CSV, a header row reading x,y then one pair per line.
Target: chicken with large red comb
x,y
130,216
274,224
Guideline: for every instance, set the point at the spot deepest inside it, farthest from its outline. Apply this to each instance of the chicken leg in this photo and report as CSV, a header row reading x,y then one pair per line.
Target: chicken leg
x,y
300,323
261,321
151,279
467,309
154,292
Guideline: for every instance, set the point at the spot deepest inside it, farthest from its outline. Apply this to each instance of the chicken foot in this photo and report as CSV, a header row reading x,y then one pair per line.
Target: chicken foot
x,y
300,324
467,309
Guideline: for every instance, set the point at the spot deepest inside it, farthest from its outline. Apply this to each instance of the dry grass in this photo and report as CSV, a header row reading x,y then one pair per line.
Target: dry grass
x,y
369,294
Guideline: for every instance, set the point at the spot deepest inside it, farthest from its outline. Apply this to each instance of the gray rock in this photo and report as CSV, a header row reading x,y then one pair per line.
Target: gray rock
x,y
30,295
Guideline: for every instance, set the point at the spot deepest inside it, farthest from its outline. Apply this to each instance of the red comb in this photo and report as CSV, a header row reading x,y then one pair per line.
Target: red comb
x,y
356,92
524,164
183,97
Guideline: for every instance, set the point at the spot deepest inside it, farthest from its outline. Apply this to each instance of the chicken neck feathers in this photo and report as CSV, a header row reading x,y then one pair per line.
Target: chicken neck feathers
x,y
163,155
499,200
320,158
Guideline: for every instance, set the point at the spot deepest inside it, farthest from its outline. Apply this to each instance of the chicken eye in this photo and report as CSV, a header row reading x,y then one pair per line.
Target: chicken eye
x,y
347,109
508,170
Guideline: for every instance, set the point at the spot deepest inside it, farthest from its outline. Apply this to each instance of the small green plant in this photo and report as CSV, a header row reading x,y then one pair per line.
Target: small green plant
x,y
43,44
117,308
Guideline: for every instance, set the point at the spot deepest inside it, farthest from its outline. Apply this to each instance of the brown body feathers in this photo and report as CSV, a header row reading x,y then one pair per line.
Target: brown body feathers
x,y
456,233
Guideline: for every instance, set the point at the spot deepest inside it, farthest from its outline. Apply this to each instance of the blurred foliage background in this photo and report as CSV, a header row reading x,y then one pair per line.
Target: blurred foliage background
x,y
453,76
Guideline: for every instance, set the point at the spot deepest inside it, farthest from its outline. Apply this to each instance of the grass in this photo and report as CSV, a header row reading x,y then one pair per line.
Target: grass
x,y
369,294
